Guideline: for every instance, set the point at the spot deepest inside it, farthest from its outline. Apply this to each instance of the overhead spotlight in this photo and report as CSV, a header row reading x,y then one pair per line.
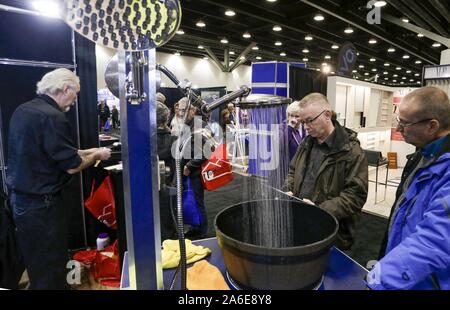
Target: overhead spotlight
x,y
355,71
386,64
278,43
258,57
205,58
334,46
418,82
308,38
177,54
247,35
386,78
319,17
230,12
282,54
327,57
404,78
374,70
398,68
379,4
242,58
405,19
180,31
326,69
231,53
224,41
361,66
317,69
47,8
305,59
408,71
200,47
348,30
271,0
420,35
395,75
395,81
418,62
277,28
367,73
391,50
436,44
200,24
385,72
405,57
416,74
324,64
372,41
411,80
255,48
402,83
305,51
372,59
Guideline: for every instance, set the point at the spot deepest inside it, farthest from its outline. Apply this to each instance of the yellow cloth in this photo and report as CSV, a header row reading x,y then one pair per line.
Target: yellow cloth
x,y
204,276
171,253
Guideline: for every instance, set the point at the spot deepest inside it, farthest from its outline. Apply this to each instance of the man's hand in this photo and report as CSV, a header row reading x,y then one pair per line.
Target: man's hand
x,y
289,193
308,201
103,153
186,171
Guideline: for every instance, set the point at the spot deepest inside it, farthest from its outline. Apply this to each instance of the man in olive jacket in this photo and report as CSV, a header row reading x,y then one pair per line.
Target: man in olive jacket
x,y
329,168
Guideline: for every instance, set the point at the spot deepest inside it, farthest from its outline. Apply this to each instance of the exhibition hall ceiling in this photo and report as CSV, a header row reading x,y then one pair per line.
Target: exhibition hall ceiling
x,y
312,31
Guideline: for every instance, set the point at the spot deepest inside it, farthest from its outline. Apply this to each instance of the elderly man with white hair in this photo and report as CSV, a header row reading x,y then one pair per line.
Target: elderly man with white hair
x,y
42,157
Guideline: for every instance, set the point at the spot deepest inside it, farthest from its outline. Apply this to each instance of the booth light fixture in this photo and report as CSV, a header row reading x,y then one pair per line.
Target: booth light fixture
x,y
308,37
319,17
305,50
391,50
372,41
278,43
230,13
247,35
436,44
418,62
282,54
255,48
348,30
180,31
379,4
224,41
334,46
420,35
277,28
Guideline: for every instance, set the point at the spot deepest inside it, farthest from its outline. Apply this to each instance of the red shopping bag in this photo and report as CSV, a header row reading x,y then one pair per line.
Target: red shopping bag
x,y
217,171
106,265
101,203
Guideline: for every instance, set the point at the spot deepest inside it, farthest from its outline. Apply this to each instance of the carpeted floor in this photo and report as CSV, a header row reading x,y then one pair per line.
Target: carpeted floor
x,y
370,229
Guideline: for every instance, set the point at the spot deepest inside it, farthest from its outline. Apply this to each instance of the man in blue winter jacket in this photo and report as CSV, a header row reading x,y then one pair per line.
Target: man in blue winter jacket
x,y
417,254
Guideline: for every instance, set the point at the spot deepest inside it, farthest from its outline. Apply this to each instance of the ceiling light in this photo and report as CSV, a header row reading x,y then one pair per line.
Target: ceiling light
x,y
385,72
305,50
405,20
277,28
180,31
366,79
278,43
334,46
224,41
308,38
47,8
395,81
372,59
398,68
405,57
386,79
366,73
404,78
332,72
391,50
271,0
305,59
418,62
230,12
317,69
282,54
386,64
205,58
242,58
418,82
395,75
436,44
372,41
379,4
361,66
231,53
255,48
247,35
258,57
200,47
348,30
420,35
200,24
416,74
177,54
374,70
324,64
408,71
326,69
319,17
327,57
411,80
402,83
355,71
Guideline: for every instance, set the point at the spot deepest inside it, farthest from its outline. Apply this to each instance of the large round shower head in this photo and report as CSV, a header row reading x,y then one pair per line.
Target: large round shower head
x,y
130,25
262,100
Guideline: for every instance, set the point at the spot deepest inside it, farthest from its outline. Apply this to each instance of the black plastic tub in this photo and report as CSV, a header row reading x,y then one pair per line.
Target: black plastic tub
x,y
300,266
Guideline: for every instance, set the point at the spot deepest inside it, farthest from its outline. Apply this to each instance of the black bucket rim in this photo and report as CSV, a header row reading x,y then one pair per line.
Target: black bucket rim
x,y
274,251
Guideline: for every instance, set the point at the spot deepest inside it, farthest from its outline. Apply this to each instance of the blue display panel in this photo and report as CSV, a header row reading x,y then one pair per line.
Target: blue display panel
x,y
263,72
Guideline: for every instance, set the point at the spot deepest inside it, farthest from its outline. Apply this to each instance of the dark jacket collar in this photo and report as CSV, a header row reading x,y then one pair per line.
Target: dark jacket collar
x,y
342,140
50,101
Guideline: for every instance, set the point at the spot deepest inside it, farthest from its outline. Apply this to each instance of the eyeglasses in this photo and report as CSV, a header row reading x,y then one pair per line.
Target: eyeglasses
x,y
309,121
404,124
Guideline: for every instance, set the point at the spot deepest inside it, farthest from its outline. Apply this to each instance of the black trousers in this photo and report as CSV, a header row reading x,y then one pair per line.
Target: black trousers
x,y
42,237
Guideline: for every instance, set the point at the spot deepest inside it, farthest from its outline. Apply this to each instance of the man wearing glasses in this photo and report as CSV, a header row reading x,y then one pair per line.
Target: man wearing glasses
x,y
329,168
417,253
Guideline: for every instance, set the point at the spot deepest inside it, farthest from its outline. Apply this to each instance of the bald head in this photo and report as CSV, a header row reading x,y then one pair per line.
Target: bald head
x,y
430,103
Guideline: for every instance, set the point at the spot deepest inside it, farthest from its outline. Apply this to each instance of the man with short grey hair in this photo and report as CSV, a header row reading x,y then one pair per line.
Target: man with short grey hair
x,y
42,157
417,253
329,168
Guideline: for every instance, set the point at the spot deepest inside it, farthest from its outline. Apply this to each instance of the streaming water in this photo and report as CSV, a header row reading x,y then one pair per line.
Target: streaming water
x,y
268,222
